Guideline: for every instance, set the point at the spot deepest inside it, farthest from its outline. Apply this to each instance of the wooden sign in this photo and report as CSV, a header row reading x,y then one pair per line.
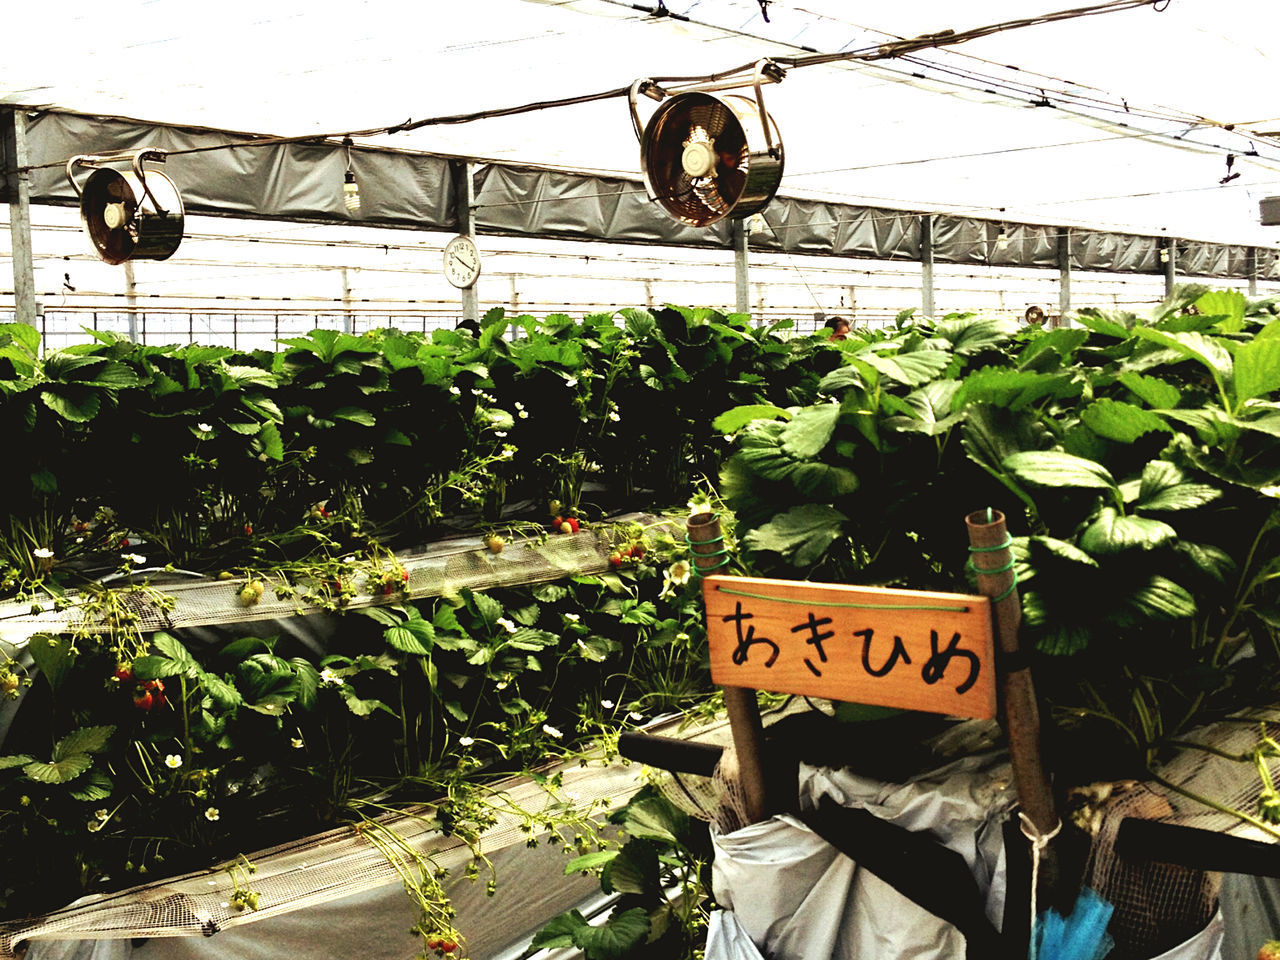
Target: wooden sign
x,y
911,649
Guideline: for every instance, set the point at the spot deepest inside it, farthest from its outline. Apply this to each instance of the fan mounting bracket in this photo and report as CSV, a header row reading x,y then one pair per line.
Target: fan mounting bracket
x,y
136,157
763,71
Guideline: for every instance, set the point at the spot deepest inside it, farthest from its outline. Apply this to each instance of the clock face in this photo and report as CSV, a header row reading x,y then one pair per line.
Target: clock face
x,y
461,262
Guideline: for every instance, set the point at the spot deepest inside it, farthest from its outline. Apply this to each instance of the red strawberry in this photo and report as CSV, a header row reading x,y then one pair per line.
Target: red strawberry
x,y
637,550
248,529
143,700
404,575
124,541
124,674
615,559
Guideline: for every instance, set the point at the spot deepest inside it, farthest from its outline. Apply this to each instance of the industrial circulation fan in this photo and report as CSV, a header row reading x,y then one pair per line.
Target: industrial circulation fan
x,y
707,156
132,214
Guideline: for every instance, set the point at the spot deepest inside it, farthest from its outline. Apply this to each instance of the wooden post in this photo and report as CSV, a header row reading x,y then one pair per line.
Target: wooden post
x,y
706,544
1017,692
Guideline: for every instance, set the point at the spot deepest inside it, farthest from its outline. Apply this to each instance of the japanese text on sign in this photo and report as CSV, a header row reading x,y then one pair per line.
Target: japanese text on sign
x,y
912,649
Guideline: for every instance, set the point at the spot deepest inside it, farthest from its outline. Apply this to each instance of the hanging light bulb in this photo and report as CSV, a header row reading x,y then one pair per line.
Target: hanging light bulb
x,y
1002,238
350,189
1164,254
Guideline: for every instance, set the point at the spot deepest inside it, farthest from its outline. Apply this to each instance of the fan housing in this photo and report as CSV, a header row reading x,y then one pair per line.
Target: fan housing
x,y
133,214
705,155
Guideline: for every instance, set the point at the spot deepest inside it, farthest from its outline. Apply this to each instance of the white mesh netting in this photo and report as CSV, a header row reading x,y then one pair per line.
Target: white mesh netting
x,y
440,568
1162,904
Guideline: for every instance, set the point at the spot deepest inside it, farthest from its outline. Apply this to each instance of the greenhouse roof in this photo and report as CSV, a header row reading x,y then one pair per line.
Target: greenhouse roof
x,y
1118,121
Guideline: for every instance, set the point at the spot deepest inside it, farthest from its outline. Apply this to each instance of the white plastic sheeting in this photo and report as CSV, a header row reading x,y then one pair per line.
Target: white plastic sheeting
x,y
798,897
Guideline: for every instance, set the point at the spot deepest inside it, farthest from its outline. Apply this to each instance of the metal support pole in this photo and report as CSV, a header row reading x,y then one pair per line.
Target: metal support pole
x,y
131,299
926,265
1064,273
464,206
741,284
1169,260
348,320
17,189
1251,269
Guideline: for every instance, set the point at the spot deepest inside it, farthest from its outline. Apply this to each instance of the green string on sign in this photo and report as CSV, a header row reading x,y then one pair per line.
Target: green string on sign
x,y
1008,541
851,606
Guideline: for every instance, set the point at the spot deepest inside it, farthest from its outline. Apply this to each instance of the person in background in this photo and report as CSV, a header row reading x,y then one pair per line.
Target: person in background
x,y
839,328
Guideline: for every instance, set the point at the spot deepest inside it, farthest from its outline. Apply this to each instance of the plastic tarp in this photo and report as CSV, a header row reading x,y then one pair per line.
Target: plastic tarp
x,y
793,896
411,190
798,897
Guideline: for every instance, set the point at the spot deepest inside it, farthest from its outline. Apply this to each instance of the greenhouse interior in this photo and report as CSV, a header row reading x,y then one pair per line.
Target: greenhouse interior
x,y
691,479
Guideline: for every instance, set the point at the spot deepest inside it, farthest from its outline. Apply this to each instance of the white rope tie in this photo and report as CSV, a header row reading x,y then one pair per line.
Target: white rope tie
x,y
1039,841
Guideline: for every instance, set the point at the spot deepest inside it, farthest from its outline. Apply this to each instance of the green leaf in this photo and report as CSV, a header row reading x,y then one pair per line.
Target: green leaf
x,y
70,403
84,740
224,694
1257,369
355,415
528,639
806,436
1013,389
1112,533
731,421
1120,421
488,608
152,667
1229,305
1053,468
635,870
639,323
364,708
589,861
1164,487
97,786
975,334
841,378
1193,346
272,443
60,771
1162,599
175,651
616,937
403,640
1060,548
1212,561
801,534
15,760
1152,391
655,818
913,369
1111,324
53,656
558,933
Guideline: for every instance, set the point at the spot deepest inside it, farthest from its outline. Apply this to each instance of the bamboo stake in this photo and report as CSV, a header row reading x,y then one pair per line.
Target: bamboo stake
x,y
706,545
987,534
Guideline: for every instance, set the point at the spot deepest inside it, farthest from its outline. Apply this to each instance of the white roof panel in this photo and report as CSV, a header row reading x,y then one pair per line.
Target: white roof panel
x,y
944,130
